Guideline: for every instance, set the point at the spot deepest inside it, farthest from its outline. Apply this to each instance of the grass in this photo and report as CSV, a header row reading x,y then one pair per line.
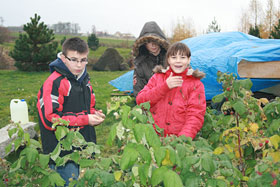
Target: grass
x,y
25,85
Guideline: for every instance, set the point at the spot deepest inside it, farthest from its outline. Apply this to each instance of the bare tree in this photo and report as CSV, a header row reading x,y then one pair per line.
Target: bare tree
x,y
244,22
270,15
256,10
184,29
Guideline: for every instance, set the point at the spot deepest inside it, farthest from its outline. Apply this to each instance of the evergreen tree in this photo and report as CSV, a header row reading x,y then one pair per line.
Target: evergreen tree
x,y
255,31
213,27
62,40
275,33
93,42
35,48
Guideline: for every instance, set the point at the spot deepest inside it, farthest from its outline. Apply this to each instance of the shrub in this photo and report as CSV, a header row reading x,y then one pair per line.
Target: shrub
x,y
35,48
93,42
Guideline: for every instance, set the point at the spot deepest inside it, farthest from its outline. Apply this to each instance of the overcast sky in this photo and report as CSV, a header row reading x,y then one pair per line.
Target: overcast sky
x,y
126,16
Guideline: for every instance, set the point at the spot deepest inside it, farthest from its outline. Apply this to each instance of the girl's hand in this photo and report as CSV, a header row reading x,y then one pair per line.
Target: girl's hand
x,y
174,81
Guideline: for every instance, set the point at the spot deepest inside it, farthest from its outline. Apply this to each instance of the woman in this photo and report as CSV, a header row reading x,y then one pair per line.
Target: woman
x,y
176,94
149,50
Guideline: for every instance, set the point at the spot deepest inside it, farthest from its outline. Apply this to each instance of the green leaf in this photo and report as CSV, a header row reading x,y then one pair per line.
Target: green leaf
x,y
105,163
125,111
181,150
67,142
27,138
172,179
86,163
129,157
218,98
35,144
12,131
172,154
208,163
112,135
145,154
75,156
158,175
192,181
262,168
239,107
17,164
107,179
144,173
56,179
246,83
151,136
145,105
61,161
60,132
31,154
20,132
44,160
17,143
8,148
142,118
138,131
56,152
226,172
159,153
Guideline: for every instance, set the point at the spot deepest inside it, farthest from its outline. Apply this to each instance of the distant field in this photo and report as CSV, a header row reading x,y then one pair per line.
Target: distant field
x,y
121,45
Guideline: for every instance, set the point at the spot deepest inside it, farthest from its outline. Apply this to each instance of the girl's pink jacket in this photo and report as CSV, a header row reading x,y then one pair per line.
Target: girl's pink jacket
x,y
179,111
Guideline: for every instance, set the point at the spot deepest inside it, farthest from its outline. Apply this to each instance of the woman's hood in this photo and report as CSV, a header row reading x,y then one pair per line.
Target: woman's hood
x,y
150,32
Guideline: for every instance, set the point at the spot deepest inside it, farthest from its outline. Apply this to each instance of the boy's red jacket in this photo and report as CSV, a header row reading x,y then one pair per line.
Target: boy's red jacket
x,y
179,111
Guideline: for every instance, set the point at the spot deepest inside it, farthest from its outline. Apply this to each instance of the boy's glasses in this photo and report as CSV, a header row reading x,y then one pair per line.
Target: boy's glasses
x,y
75,60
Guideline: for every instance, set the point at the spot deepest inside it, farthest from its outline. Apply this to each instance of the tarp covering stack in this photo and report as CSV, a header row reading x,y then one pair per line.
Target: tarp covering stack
x,y
224,52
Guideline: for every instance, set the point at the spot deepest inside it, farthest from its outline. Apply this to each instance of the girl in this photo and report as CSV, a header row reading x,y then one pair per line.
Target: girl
x,y
176,94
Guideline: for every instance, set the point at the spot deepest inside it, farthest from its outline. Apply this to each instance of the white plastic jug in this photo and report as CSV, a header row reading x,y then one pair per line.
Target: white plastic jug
x,y
19,111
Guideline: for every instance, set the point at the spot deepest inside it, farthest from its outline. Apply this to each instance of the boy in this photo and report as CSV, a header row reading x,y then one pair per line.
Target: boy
x,y
67,94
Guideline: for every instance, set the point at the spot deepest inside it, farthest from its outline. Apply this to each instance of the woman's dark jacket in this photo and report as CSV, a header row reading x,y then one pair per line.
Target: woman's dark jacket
x,y
144,61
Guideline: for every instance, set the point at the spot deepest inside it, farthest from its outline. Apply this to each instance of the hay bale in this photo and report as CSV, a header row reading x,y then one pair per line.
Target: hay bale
x,y
111,60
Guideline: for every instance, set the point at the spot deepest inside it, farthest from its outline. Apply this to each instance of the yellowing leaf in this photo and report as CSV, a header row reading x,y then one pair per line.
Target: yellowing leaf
x,y
264,101
245,178
245,129
254,127
275,140
221,177
275,156
263,116
218,150
117,175
237,154
229,148
265,152
166,161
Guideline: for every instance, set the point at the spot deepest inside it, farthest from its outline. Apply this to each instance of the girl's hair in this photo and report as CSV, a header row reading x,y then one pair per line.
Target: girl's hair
x,y
182,48
74,44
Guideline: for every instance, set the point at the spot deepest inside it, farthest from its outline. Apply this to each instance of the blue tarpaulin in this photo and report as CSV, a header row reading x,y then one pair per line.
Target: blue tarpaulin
x,y
222,52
